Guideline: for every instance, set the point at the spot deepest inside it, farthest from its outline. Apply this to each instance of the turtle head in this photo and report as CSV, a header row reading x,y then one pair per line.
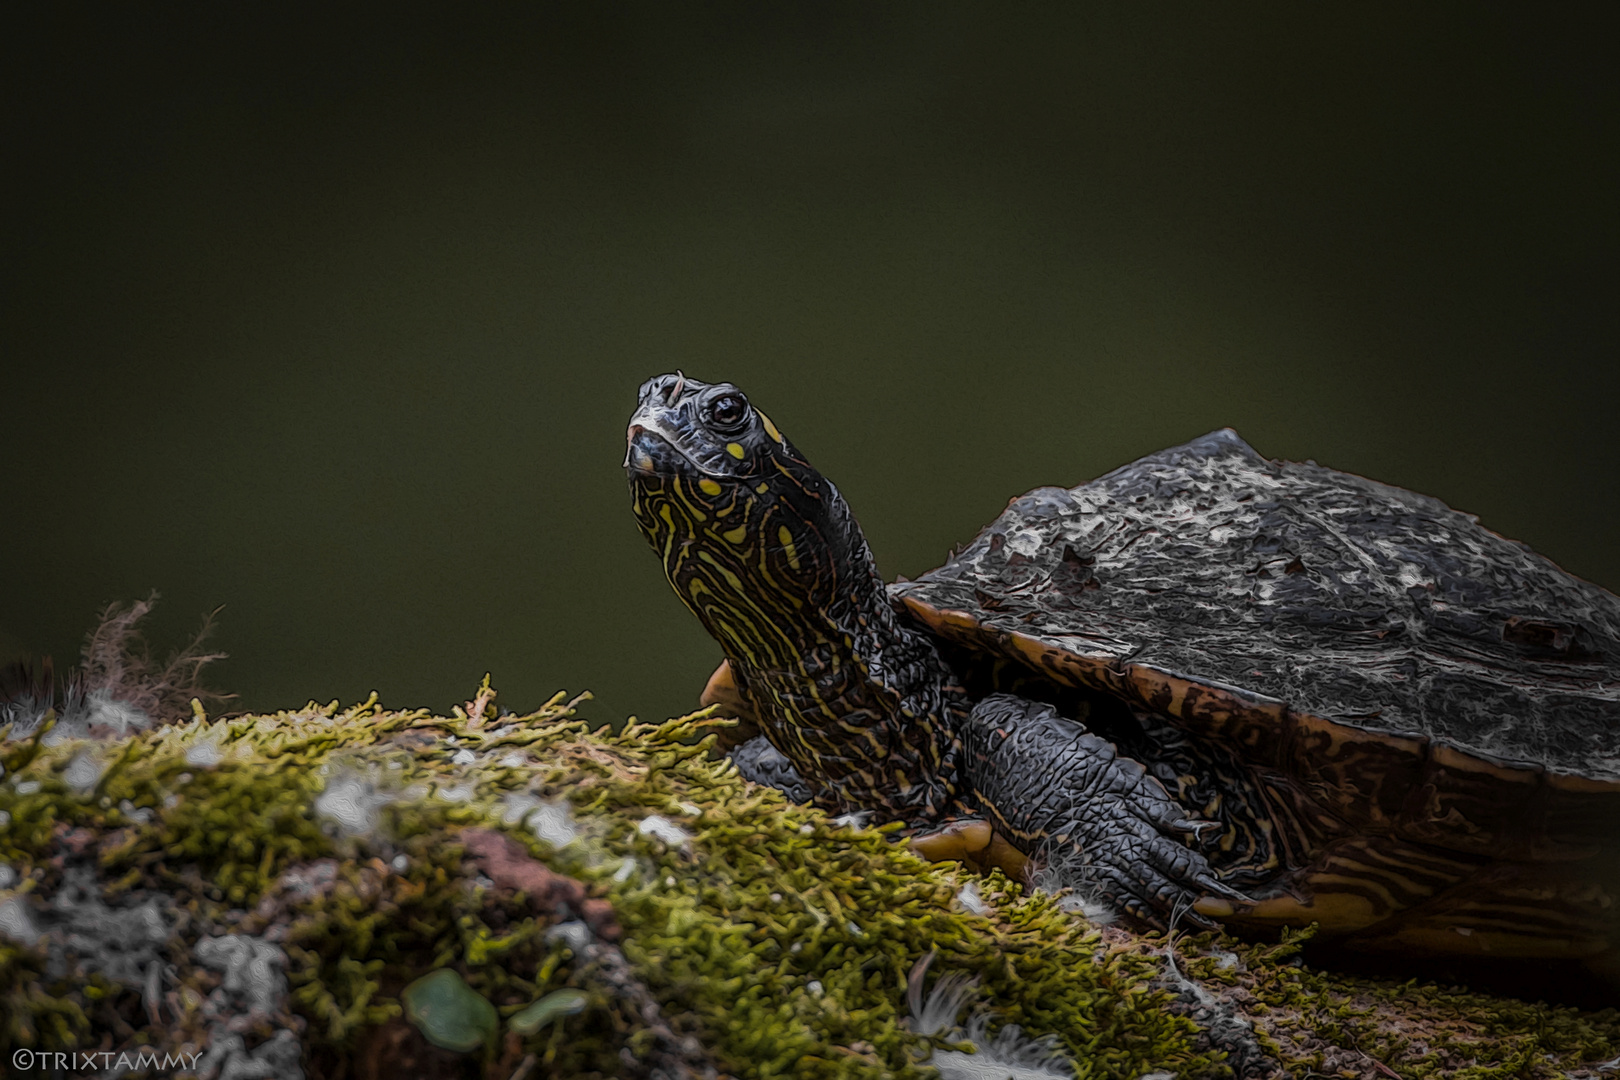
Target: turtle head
x,y
748,530
700,431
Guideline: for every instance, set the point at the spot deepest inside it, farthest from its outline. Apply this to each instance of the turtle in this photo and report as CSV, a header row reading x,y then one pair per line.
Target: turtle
x,y
1207,685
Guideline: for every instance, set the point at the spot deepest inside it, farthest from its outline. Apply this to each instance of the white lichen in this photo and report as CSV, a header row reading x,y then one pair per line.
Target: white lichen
x,y
553,823
204,755
351,802
518,805
968,896
228,1058
661,828
16,923
308,881
83,773
252,969
573,933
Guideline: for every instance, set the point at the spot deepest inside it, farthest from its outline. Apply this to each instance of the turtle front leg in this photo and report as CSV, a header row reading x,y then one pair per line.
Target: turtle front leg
x,y
1056,791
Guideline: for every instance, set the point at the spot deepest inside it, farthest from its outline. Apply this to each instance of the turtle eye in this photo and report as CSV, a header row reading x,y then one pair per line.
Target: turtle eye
x,y
728,411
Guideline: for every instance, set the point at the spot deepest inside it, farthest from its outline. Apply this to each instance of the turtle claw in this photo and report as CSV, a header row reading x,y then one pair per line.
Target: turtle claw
x,y
1187,913
1210,885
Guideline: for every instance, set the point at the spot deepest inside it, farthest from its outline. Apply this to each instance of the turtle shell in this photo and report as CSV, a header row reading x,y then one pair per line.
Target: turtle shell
x,y
1415,672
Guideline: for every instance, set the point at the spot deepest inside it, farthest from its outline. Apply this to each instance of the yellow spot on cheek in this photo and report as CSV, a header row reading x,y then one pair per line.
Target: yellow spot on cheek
x,y
763,488
736,536
770,428
708,487
786,538
735,450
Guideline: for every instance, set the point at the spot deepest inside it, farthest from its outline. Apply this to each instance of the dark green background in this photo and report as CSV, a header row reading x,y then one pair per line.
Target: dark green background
x,y
337,320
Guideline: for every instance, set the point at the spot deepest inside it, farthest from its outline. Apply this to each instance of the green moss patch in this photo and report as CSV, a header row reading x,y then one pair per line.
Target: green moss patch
x,y
300,871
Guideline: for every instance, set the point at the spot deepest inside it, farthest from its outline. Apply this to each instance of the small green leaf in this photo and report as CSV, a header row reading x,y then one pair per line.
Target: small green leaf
x,y
449,1013
554,1006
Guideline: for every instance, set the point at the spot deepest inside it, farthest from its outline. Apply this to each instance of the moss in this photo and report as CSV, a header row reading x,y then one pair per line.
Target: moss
x,y
774,941
1327,1023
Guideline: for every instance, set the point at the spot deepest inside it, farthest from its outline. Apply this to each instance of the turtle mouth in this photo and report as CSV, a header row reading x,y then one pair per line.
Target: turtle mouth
x,y
648,453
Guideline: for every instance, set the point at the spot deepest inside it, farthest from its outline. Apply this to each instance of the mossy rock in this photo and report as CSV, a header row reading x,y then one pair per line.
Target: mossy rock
x,y
200,888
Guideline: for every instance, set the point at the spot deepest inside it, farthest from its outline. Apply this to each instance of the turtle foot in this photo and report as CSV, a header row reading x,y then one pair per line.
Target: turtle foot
x,y
1098,819
759,761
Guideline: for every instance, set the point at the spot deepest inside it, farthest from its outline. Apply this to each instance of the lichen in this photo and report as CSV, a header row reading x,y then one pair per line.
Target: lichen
x,y
298,871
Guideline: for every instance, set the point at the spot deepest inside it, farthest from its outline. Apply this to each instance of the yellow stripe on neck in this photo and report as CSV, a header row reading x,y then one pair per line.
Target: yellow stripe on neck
x,y
786,538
